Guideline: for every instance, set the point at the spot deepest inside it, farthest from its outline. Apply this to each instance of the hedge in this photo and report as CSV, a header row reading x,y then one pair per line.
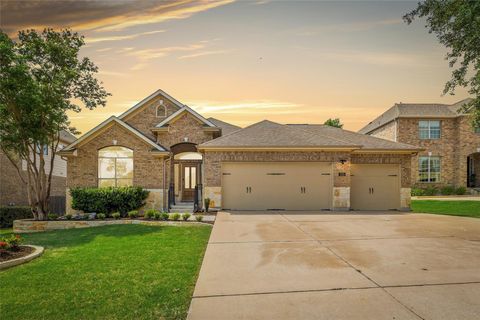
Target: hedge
x,y
10,213
108,200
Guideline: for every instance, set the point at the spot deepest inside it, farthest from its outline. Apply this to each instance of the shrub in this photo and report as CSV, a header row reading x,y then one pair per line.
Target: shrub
x,y
447,190
430,191
10,213
175,216
417,192
132,214
101,216
10,242
52,216
185,216
116,215
199,218
164,216
207,204
157,215
460,191
68,216
111,199
150,213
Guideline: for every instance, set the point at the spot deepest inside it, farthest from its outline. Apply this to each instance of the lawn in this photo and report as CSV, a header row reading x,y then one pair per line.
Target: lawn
x,y
112,272
455,208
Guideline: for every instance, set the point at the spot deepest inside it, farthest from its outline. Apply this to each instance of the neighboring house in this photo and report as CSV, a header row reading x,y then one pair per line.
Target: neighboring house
x,y
180,156
12,189
451,154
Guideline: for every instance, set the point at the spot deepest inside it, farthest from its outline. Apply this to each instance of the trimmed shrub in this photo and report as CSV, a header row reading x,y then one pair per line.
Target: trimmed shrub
x,y
199,218
175,216
185,216
207,204
116,215
132,214
52,216
10,213
164,216
157,215
111,199
417,192
430,191
150,213
460,191
447,190
68,216
101,216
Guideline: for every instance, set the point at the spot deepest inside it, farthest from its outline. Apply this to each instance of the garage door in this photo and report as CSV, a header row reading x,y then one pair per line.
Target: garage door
x,y
276,186
375,187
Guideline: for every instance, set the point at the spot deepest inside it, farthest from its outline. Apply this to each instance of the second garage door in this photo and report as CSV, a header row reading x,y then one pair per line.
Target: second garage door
x,y
375,187
276,186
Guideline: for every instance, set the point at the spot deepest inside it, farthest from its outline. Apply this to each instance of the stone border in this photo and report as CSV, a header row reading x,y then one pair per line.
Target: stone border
x,y
29,226
38,251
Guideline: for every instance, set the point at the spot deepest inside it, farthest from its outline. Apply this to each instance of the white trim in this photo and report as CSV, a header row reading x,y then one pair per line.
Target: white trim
x,y
144,101
179,112
120,122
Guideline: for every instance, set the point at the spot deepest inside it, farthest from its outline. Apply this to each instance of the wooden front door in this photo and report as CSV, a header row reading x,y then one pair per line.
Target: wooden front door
x,y
189,181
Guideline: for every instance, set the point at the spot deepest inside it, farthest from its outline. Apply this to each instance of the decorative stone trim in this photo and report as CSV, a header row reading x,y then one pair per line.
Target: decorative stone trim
x,y
38,251
341,198
215,195
30,226
405,199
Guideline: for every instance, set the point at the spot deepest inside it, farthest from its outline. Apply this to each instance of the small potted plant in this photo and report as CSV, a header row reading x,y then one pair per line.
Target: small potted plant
x,y
207,204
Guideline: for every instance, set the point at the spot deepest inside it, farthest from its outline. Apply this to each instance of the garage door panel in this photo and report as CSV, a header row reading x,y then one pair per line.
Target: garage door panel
x,y
288,186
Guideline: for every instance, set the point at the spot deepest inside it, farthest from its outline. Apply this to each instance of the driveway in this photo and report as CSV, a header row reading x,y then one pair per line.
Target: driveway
x,y
340,266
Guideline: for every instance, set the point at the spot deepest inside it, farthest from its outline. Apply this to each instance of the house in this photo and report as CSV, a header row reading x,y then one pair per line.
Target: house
x,y
12,189
451,154
182,157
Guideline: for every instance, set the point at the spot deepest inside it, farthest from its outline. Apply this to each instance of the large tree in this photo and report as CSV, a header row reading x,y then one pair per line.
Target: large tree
x,y
41,78
456,23
333,123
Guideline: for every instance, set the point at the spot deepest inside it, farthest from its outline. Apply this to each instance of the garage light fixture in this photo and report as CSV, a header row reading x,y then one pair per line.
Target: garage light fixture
x,y
342,161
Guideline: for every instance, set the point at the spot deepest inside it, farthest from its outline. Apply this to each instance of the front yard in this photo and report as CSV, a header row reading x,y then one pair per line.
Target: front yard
x,y
113,272
464,208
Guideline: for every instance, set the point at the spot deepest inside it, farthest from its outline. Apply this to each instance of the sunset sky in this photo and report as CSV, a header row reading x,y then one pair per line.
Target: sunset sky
x,y
245,61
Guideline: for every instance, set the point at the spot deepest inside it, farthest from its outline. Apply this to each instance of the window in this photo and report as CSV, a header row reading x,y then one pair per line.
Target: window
x,y
429,129
44,148
161,111
429,169
115,167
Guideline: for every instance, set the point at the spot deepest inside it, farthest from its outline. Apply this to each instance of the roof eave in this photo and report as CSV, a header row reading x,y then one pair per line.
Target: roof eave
x,y
277,148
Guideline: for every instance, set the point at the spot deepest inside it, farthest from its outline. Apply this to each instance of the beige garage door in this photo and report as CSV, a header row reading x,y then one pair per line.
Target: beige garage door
x,y
275,185
375,187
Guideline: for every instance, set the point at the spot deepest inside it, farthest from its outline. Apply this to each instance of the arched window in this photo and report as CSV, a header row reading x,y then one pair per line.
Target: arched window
x,y
161,110
115,167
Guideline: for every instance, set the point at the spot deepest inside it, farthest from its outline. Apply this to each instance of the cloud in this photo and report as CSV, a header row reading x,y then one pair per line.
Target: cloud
x,y
347,27
374,58
98,15
266,107
90,40
203,53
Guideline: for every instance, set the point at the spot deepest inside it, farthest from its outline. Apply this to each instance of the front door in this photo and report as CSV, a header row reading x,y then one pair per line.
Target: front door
x,y
189,181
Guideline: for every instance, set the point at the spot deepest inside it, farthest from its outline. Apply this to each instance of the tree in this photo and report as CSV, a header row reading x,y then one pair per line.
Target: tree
x,y
456,23
334,123
41,75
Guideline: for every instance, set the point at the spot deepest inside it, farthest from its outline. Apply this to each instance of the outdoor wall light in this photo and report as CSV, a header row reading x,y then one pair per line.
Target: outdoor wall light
x,y
342,161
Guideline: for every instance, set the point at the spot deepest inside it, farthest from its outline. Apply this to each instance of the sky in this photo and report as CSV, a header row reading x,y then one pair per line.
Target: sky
x,y
245,61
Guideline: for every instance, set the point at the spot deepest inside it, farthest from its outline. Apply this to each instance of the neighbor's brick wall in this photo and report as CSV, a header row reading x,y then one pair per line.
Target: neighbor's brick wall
x,y
82,170
388,131
404,160
186,126
467,142
146,118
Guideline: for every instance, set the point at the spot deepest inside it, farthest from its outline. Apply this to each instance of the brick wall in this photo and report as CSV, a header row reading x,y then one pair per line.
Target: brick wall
x,y
404,160
388,131
82,170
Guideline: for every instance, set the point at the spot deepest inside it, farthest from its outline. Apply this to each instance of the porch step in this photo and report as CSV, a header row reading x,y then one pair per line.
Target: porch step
x,y
182,207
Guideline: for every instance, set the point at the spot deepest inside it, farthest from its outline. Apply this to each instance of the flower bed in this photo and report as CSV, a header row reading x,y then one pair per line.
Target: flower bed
x,y
12,253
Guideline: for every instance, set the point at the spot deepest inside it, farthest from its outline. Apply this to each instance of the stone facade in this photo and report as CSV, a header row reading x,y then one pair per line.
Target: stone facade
x,y
387,131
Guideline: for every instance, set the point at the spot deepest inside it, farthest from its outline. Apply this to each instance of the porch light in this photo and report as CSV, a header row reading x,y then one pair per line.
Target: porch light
x,y
342,161
185,139
114,142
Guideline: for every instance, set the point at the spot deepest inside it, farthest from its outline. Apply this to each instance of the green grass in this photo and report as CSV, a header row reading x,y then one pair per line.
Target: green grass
x,y
112,272
455,208
5,231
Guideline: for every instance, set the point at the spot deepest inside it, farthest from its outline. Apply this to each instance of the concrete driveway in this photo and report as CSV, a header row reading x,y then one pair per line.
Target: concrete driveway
x,y
340,266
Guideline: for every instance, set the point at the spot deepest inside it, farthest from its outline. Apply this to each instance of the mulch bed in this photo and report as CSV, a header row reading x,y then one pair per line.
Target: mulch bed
x,y
10,255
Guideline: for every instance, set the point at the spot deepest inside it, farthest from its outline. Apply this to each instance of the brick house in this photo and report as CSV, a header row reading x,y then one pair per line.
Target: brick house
x,y
451,154
182,157
12,189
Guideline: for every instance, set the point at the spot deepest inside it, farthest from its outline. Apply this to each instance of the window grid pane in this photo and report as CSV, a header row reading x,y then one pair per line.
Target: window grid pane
x,y
115,167
429,169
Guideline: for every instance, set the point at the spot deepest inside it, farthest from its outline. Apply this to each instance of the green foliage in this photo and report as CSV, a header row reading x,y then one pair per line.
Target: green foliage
x,y
416,192
466,208
157,215
10,242
334,123
116,215
68,216
460,191
111,199
10,213
101,216
52,216
207,204
133,214
165,216
175,216
185,216
199,218
447,190
430,191
150,213
457,26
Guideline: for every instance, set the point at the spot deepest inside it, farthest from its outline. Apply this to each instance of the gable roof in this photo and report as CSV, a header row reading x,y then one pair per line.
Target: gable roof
x,y
268,134
226,127
140,104
67,136
184,109
155,146
415,110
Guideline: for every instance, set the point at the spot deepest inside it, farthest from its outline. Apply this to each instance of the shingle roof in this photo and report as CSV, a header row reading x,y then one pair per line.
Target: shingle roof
x,y
67,136
421,110
226,127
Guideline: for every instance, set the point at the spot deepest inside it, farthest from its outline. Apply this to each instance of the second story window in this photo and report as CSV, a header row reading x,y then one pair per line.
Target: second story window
x,y
161,110
42,149
429,129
